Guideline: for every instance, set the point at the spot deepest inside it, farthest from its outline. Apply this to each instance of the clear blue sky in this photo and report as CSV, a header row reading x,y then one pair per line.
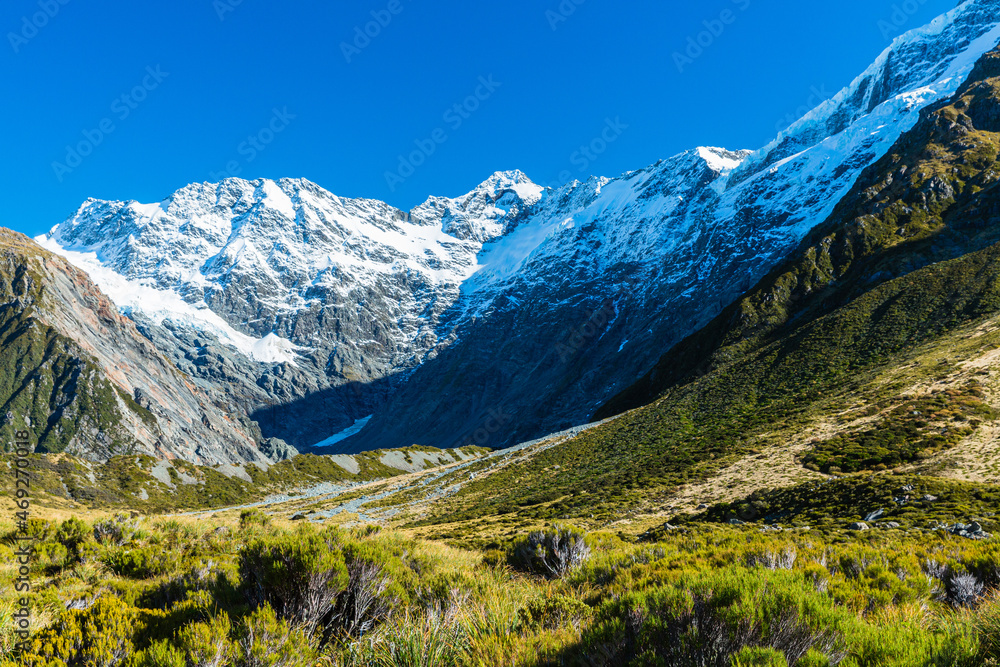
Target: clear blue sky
x,y
221,79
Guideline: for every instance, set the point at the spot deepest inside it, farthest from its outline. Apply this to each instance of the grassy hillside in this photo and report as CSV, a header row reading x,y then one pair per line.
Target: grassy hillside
x,y
148,485
933,197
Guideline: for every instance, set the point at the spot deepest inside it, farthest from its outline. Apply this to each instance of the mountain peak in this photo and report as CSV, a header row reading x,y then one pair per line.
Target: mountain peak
x,y
510,181
721,159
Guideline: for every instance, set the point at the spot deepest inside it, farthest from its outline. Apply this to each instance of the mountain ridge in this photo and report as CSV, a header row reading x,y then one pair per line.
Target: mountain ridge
x,y
81,379
426,322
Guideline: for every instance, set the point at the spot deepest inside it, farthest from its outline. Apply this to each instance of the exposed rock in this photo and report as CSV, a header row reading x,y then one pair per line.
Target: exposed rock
x,y
71,356
970,531
277,449
858,526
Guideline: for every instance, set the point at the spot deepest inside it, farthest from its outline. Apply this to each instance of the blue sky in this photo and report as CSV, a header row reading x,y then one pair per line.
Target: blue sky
x,y
118,100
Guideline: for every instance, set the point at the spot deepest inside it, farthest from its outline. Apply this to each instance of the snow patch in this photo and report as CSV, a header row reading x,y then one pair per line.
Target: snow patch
x,y
275,198
720,159
353,429
163,305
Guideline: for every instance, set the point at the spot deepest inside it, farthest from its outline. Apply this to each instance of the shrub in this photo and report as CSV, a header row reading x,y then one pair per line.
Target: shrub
x,y
254,517
964,590
160,654
116,531
710,617
299,576
73,534
364,603
759,657
323,580
552,553
267,641
553,613
139,563
50,555
207,644
40,530
98,637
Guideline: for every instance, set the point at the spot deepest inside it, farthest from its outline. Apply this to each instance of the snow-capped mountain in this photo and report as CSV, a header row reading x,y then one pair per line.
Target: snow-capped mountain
x,y
285,291
605,275
503,314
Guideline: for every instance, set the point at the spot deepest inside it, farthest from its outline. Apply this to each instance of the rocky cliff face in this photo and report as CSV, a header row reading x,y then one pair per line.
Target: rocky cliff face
x,y
81,378
309,309
508,312
626,268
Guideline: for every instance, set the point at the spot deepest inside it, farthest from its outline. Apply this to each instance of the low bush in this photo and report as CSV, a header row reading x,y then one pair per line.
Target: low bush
x,y
207,644
100,636
267,641
299,576
116,531
553,613
254,517
320,580
715,617
551,553
759,657
140,562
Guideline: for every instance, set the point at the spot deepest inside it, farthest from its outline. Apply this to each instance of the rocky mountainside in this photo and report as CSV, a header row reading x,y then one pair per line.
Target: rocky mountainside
x,y
619,270
308,307
81,378
872,347
932,198
504,314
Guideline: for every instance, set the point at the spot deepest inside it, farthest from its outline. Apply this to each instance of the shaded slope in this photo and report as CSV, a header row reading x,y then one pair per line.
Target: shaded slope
x,y
819,328
658,253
